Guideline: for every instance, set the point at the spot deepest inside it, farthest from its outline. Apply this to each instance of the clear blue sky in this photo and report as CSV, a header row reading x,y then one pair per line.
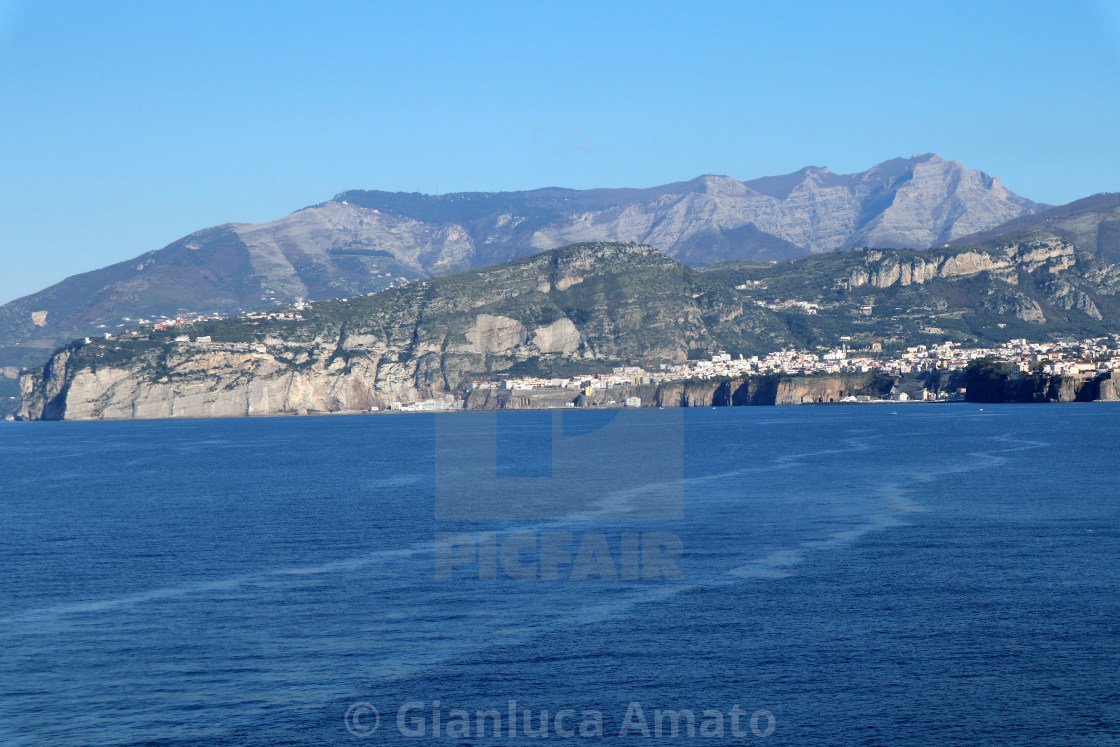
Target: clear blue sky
x,y
124,126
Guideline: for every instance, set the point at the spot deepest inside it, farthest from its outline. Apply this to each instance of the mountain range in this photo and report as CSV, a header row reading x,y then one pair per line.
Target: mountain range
x,y
366,241
363,241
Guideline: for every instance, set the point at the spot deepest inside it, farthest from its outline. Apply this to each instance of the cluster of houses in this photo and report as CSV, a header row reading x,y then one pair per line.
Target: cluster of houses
x,y
1082,357
590,383
167,322
808,308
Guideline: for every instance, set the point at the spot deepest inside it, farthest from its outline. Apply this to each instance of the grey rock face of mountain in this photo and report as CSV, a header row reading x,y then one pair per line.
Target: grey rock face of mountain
x,y
912,203
361,242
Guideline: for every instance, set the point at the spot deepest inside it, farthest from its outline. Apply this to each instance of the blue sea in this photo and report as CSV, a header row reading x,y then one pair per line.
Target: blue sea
x,y
928,574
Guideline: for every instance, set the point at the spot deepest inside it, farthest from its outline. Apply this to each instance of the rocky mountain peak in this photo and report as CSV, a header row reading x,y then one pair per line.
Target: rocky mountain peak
x,y
720,185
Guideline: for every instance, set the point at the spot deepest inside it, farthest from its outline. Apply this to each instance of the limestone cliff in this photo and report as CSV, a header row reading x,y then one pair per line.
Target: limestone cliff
x,y
771,390
991,381
213,381
1028,285
883,269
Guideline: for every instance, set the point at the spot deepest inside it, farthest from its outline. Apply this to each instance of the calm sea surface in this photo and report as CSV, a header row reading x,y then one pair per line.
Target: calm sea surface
x,y
849,575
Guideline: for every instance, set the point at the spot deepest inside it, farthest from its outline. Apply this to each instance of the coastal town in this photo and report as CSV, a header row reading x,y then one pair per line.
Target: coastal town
x,y
1087,358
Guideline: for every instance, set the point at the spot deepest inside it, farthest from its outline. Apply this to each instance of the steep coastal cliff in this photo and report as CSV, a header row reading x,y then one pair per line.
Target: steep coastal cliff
x,y
773,390
224,380
991,381
237,382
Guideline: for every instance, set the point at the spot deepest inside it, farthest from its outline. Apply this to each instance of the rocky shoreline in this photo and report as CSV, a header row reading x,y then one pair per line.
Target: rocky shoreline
x,y
217,401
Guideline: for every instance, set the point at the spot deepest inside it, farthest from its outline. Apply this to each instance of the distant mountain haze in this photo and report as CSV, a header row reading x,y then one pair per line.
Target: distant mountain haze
x,y
365,241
